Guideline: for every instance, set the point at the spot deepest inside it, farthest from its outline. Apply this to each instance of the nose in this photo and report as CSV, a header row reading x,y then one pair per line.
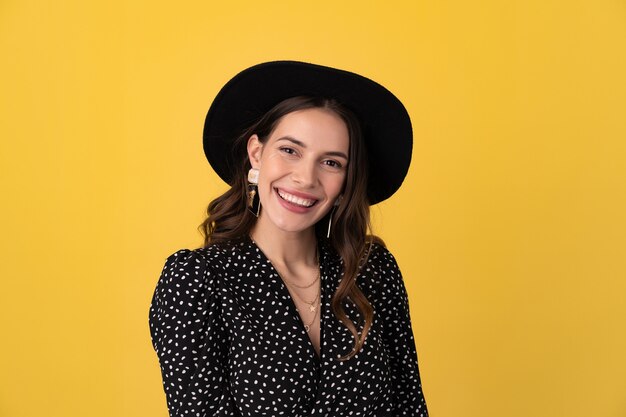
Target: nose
x,y
304,174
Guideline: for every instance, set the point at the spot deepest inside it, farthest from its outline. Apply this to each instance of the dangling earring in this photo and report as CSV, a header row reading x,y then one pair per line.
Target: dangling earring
x,y
254,204
330,218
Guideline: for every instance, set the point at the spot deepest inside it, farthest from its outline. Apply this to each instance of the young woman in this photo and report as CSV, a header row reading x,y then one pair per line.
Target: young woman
x,y
290,308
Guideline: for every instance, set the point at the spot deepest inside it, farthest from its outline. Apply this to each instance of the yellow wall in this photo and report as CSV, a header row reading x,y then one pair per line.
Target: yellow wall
x,y
510,230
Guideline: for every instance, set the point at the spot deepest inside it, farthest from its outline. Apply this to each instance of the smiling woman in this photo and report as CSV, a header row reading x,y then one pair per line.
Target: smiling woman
x,y
291,308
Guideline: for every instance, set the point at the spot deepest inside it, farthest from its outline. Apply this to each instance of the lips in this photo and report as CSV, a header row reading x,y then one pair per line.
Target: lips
x,y
296,200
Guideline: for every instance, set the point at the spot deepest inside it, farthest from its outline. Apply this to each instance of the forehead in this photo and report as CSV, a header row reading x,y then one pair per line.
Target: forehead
x,y
316,128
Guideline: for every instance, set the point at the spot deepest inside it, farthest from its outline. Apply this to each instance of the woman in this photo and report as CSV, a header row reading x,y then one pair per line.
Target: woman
x,y
290,309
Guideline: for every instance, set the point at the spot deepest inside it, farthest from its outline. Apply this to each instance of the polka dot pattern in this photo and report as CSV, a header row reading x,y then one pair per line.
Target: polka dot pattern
x,y
230,341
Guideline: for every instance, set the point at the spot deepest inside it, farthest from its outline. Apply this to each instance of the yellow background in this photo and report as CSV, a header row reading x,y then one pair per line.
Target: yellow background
x,y
510,229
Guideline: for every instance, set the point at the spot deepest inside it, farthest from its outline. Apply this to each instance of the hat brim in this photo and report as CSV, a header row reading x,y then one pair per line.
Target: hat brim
x,y
385,123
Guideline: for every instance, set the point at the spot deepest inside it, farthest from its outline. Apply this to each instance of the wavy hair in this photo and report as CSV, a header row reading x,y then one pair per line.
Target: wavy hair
x,y
229,219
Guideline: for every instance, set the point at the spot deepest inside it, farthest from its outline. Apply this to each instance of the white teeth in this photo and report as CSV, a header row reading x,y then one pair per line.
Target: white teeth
x,y
296,200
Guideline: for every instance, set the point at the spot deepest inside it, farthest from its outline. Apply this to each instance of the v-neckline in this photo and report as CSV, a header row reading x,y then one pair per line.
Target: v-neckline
x,y
292,306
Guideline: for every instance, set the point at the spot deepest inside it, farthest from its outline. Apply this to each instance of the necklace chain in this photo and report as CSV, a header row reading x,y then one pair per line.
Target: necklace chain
x,y
312,307
302,286
312,304
307,327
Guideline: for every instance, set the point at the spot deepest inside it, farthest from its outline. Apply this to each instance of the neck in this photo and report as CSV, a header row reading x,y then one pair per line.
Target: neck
x,y
287,248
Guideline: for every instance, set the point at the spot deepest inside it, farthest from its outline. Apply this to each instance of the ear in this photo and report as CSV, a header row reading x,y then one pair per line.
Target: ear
x,y
255,149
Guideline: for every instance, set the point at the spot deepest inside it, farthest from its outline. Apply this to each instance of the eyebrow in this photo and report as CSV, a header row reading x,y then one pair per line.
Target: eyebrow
x,y
300,143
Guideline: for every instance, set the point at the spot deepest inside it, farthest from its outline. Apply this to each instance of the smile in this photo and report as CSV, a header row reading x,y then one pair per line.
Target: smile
x,y
298,201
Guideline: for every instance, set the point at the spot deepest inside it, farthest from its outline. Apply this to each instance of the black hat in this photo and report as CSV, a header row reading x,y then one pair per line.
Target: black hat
x,y
385,123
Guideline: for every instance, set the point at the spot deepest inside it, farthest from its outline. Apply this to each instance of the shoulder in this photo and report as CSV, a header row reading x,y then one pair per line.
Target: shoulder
x,y
206,260
381,269
189,278
191,268
380,257
185,272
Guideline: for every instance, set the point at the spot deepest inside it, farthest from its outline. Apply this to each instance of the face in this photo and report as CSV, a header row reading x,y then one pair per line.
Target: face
x,y
302,169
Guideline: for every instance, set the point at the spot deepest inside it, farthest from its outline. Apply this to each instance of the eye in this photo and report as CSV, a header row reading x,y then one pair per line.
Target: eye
x,y
287,150
332,163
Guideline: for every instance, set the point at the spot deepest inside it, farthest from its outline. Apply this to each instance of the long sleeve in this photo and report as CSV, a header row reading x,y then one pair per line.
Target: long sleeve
x,y
408,397
188,337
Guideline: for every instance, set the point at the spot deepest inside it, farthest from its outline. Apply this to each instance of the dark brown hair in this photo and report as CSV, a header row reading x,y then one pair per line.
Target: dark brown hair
x,y
228,218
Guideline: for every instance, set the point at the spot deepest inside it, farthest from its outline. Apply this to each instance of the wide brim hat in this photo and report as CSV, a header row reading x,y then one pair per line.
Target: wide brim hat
x,y
385,123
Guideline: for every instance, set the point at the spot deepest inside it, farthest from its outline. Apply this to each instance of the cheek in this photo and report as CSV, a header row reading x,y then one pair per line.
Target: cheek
x,y
270,173
335,185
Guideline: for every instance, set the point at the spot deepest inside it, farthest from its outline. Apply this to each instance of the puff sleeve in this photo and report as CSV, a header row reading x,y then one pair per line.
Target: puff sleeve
x,y
189,337
408,398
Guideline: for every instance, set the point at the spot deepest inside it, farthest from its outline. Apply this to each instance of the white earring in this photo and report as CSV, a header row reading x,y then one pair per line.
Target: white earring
x,y
330,218
253,176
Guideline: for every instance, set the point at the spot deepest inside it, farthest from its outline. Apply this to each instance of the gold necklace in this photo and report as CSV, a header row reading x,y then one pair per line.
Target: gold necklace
x,y
312,304
312,307
307,327
317,277
293,284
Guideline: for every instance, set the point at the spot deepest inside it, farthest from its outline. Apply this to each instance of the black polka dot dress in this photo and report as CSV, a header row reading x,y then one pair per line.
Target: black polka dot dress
x,y
230,341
